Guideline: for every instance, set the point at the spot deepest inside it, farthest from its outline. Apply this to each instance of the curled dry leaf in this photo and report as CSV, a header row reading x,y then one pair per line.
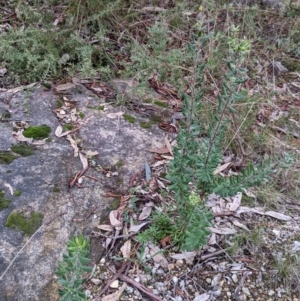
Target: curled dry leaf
x,y
126,249
221,168
162,150
114,115
157,255
222,231
236,202
90,153
74,145
279,216
9,187
116,295
188,256
19,136
146,211
114,221
84,161
137,228
64,87
107,228
169,147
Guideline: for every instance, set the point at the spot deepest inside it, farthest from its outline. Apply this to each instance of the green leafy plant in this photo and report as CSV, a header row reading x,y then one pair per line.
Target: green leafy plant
x,y
71,269
199,146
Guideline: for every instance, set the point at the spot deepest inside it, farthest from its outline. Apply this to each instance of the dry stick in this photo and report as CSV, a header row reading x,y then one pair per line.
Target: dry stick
x,y
116,275
140,287
27,242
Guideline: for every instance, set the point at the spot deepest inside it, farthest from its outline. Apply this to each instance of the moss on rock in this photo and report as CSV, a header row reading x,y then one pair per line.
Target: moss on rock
x,y
37,132
129,118
21,222
22,149
4,203
6,157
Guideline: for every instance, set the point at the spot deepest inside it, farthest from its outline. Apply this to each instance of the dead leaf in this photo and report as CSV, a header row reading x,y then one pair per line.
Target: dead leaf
x,y
19,136
165,241
114,115
90,153
116,295
279,216
126,249
236,202
18,89
107,228
169,147
202,297
39,142
64,87
296,247
74,145
238,224
10,188
114,221
222,231
162,150
157,255
221,168
153,9
58,131
146,211
188,256
84,161
73,115
137,228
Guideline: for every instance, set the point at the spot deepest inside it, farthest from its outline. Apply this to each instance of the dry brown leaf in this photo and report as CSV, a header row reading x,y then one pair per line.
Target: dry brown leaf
x,y
222,231
279,216
153,9
137,228
188,256
146,211
19,136
116,295
64,87
126,249
84,161
73,115
107,228
90,153
114,221
157,255
238,224
114,115
74,145
17,89
169,147
221,168
39,142
162,150
10,188
236,202
58,131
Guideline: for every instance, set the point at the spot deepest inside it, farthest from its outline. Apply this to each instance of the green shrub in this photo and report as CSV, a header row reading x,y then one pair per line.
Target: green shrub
x,y
71,268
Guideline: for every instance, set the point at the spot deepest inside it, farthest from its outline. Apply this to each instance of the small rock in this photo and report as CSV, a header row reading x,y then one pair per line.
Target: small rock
x,y
129,289
102,261
234,278
175,280
115,284
208,280
271,293
95,281
246,291
179,262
